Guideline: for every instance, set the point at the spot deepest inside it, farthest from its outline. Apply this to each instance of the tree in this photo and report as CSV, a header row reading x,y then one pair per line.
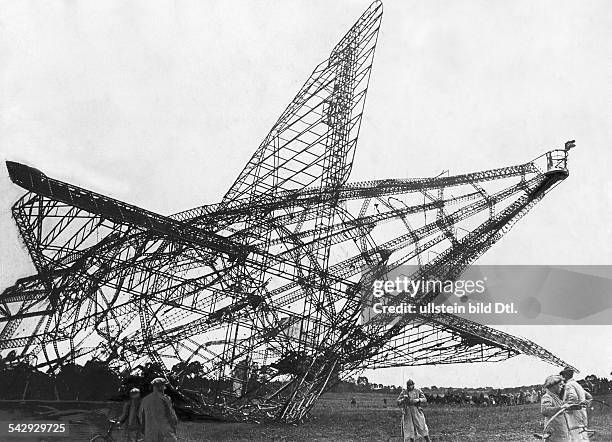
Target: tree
x,y
69,382
101,382
362,381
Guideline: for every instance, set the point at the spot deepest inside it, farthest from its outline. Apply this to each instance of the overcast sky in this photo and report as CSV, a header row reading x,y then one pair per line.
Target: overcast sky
x,y
160,103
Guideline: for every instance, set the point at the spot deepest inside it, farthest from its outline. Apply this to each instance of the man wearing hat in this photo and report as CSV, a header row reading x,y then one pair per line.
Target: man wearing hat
x,y
157,415
411,400
133,430
576,395
551,404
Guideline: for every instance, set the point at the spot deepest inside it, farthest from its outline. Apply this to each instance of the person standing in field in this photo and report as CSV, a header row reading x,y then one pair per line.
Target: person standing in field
x,y
551,404
576,395
157,415
133,429
411,400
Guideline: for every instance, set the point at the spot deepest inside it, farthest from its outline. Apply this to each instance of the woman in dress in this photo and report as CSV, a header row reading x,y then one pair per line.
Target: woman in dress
x,y
553,408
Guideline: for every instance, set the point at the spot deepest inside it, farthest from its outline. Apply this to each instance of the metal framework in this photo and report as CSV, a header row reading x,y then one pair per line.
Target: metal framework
x,y
267,289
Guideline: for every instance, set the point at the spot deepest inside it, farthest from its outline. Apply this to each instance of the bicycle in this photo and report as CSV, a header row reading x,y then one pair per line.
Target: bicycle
x,y
108,436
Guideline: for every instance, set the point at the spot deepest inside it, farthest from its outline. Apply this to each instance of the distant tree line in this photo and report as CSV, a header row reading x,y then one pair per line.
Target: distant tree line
x,y
96,381
361,384
90,382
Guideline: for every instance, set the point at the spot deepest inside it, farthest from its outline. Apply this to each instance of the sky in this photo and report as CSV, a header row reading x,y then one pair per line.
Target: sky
x,y
160,103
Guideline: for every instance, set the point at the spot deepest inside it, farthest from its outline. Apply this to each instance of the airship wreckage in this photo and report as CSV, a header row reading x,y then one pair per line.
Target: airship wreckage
x,y
267,288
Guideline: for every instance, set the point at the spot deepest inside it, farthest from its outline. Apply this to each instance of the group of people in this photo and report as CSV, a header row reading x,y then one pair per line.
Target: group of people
x,y
563,404
486,399
152,416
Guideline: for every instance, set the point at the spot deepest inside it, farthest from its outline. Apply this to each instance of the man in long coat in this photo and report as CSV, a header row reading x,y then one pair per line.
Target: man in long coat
x,y
575,394
411,400
553,407
157,415
129,417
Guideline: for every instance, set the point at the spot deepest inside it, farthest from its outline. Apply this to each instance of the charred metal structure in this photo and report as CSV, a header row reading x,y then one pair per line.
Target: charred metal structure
x,y
267,288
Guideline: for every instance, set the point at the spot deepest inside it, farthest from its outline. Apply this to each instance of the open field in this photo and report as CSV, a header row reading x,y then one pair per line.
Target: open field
x,y
333,419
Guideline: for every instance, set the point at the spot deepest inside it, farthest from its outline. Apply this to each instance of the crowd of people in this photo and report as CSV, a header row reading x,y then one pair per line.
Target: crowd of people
x,y
485,399
563,403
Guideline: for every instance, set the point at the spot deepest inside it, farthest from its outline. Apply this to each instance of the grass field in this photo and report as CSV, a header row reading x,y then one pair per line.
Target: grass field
x,y
333,419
